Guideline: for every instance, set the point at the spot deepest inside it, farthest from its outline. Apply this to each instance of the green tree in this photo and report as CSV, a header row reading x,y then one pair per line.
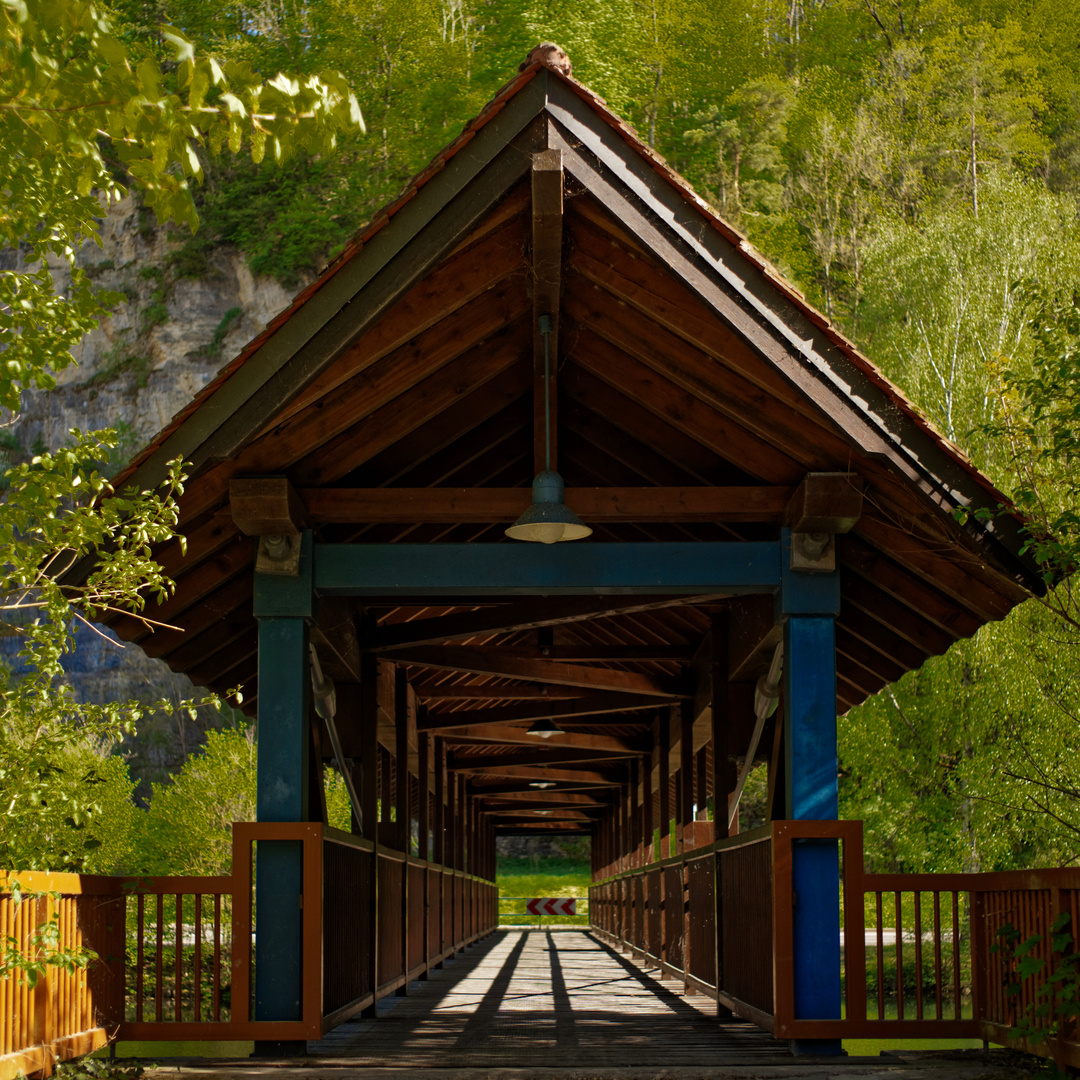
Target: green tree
x,y
188,826
942,312
746,137
80,116
990,101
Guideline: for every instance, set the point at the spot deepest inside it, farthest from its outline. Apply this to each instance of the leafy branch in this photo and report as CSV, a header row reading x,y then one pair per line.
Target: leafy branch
x,y
1055,1003
29,960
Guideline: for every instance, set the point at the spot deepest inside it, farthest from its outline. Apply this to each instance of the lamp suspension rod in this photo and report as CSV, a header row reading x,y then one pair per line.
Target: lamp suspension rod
x,y
545,330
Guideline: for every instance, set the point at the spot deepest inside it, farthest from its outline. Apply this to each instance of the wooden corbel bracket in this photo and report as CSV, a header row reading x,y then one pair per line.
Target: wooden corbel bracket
x,y
269,508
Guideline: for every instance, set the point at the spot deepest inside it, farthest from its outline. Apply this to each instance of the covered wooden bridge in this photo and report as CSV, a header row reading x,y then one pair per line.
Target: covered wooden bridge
x,y
774,536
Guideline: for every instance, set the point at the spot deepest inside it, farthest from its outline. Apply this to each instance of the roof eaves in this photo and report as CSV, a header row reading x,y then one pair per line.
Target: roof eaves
x,y
835,336
352,248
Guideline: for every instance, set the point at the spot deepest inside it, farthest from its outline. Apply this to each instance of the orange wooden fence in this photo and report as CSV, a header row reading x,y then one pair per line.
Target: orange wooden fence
x,y
64,1014
176,953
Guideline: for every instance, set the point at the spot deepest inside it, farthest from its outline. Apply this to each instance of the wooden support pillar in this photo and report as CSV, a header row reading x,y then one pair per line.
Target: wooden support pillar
x,y
663,735
440,801
284,607
461,831
686,774
723,783
423,825
701,779
809,604
647,812
663,725
440,835
368,724
423,768
686,821
403,809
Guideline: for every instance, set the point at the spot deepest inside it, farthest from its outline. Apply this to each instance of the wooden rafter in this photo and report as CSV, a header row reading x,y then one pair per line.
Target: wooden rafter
x,y
530,614
466,762
610,776
508,735
484,660
498,505
547,240
590,709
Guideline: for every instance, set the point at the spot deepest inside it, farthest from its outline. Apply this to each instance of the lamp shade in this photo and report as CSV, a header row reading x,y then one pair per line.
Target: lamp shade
x,y
548,520
545,729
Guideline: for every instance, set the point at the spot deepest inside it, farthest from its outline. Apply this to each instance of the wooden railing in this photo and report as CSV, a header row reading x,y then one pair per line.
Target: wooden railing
x,y
177,957
66,1012
917,957
667,913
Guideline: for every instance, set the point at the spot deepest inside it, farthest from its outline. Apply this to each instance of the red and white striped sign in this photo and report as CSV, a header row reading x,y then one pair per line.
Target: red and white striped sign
x,y
548,905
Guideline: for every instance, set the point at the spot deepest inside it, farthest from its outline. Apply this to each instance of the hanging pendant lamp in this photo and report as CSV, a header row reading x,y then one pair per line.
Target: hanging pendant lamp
x,y
545,729
548,520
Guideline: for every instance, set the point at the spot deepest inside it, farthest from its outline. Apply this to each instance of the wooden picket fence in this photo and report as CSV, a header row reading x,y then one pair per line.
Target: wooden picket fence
x,y
176,958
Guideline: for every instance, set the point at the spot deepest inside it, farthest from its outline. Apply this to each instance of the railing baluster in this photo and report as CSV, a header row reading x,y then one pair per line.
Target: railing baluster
x,y
899,932
918,955
178,974
956,954
880,960
937,955
140,956
159,991
217,956
197,1005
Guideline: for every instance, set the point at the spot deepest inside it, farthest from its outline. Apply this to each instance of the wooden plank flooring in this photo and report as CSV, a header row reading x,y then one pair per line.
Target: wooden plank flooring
x,y
558,999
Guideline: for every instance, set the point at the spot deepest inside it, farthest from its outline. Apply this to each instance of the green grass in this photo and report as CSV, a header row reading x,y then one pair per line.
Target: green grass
x,y
154,1051
528,877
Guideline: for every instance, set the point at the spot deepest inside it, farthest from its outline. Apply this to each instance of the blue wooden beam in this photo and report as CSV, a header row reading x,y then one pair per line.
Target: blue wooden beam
x,y
810,767
808,604
556,569
283,606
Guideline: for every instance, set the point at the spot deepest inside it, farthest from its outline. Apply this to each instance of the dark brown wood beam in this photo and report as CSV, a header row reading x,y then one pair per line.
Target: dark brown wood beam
x,y
610,776
530,614
597,792
508,735
526,802
463,762
472,692
483,660
412,506
594,705
547,244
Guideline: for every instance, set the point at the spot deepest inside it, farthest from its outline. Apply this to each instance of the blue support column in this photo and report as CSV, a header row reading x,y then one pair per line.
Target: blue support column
x,y
283,606
809,603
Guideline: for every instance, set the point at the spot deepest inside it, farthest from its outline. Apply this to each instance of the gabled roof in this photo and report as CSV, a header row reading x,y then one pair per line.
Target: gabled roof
x,y
684,361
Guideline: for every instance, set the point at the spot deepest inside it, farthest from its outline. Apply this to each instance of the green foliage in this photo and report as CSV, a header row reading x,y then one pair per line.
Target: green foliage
x,y
284,219
1038,421
28,960
81,113
188,826
524,876
1055,1004
97,1068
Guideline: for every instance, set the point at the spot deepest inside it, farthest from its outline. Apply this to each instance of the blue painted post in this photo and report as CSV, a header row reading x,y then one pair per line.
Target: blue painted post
x,y
809,603
283,606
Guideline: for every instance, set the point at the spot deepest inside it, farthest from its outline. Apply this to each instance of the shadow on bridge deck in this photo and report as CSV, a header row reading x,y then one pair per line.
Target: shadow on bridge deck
x,y
560,999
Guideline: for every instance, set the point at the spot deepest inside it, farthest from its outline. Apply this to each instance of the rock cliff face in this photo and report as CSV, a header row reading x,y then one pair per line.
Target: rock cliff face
x,y
160,348
133,373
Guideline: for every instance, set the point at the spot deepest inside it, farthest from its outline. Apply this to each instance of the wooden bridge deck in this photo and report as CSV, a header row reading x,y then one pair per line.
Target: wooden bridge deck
x,y
554,998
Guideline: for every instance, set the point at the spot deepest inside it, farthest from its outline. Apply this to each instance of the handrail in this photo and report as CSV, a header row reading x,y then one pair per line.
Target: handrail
x,y
725,843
